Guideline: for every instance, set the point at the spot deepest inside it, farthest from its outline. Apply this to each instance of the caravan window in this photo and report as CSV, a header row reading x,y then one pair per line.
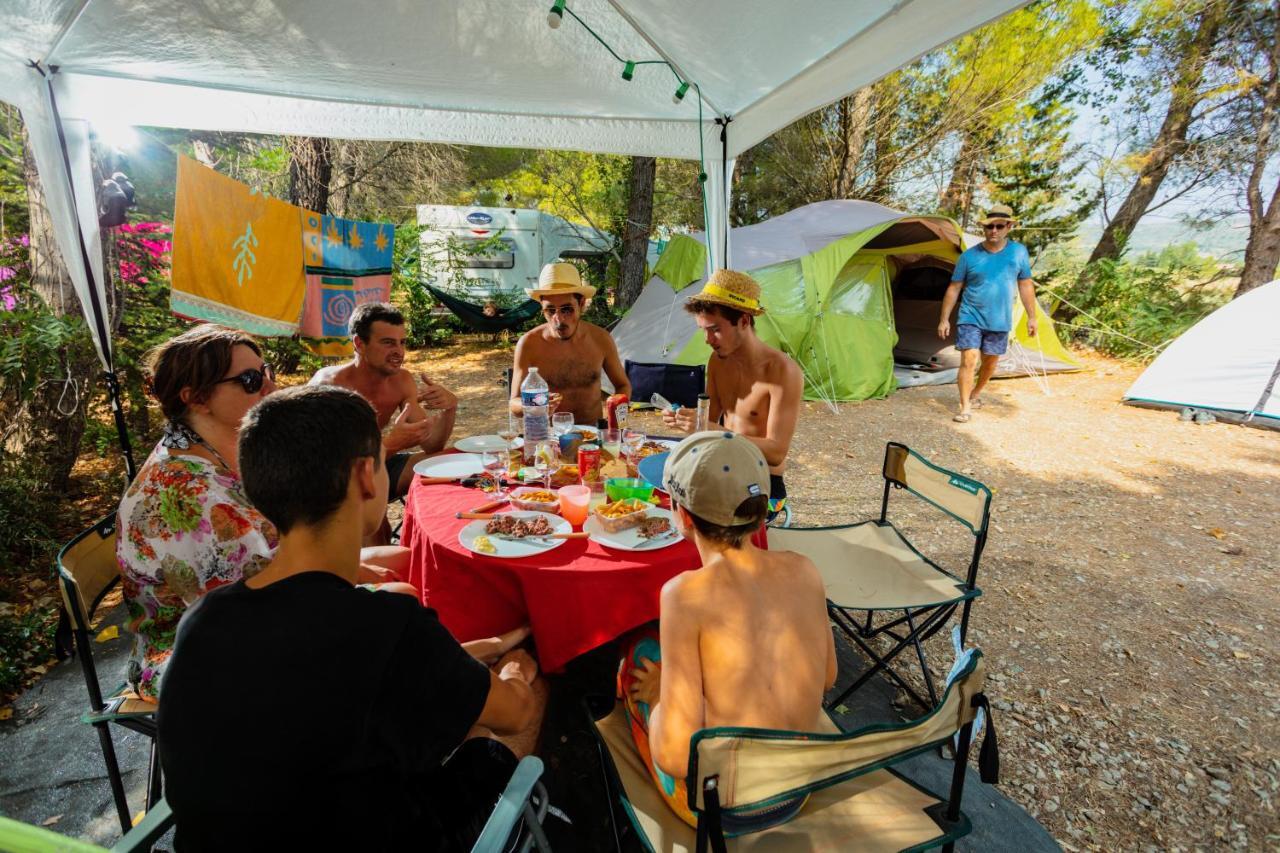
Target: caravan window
x,y
476,253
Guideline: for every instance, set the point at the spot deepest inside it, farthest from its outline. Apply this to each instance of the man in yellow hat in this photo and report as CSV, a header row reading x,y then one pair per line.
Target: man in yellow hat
x,y
985,280
755,390
568,352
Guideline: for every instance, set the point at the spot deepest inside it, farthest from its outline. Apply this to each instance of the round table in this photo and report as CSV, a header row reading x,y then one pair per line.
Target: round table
x,y
574,597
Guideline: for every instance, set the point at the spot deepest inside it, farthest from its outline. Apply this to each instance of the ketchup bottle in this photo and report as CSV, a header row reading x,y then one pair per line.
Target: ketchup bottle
x,y
616,409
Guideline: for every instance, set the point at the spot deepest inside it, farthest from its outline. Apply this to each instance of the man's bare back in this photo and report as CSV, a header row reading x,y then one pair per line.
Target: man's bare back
x,y
764,642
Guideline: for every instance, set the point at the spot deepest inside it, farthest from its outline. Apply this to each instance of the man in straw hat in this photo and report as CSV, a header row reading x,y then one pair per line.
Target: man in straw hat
x,y
985,280
755,390
568,351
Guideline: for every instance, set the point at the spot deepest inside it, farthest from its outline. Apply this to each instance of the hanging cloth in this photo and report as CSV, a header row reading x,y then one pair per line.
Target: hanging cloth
x,y
474,316
237,254
348,263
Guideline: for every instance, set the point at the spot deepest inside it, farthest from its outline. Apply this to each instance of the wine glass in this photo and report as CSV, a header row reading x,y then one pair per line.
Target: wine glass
x,y
633,440
561,423
545,455
494,463
509,434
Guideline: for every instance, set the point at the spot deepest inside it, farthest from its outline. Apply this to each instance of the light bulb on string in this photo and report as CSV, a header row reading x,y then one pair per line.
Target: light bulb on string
x,y
680,93
556,16
628,71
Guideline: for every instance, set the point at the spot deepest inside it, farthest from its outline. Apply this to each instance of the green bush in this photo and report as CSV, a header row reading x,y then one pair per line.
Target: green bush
x,y
1133,309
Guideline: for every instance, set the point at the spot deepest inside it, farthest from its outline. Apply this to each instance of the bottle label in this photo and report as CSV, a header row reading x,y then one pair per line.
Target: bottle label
x,y
533,398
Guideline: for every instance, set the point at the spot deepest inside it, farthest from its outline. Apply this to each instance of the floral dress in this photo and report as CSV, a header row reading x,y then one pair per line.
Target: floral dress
x,y
185,527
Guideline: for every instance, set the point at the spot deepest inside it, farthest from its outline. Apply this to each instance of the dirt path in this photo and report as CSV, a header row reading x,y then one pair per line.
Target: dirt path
x,y
1129,609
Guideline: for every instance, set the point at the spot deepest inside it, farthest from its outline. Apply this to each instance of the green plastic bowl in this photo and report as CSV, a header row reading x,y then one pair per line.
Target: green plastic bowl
x,y
621,488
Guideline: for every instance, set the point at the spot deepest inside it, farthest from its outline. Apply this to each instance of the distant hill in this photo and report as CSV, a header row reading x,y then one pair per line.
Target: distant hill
x,y
1154,233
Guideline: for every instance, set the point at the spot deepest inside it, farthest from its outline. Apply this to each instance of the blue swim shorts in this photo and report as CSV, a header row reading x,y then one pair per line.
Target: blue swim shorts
x,y
969,336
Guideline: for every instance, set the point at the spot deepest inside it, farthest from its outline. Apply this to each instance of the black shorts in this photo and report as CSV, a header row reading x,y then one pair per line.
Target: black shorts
x,y
395,467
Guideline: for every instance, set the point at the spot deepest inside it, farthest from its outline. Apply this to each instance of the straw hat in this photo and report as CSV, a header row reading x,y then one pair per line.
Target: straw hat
x,y
999,213
560,280
734,290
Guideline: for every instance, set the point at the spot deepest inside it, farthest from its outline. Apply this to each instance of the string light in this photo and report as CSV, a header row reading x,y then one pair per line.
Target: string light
x,y
556,16
628,71
680,92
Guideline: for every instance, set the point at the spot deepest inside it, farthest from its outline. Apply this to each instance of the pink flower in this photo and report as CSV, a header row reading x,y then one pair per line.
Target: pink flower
x,y
130,272
6,273
7,300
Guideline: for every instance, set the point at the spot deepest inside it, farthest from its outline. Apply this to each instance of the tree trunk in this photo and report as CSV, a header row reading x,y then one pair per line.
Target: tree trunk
x,y
1262,253
855,111
635,233
310,168
957,198
1171,141
885,123
49,428
741,207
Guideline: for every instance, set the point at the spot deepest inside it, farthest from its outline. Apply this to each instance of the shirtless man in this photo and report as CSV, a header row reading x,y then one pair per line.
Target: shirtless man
x,y
376,373
744,640
568,351
755,390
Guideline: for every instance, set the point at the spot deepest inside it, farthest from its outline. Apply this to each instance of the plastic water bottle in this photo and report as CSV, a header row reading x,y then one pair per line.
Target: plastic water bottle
x,y
534,394
661,403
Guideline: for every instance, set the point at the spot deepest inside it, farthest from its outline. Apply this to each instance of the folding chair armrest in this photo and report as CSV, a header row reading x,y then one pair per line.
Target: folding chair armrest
x,y
157,822
507,813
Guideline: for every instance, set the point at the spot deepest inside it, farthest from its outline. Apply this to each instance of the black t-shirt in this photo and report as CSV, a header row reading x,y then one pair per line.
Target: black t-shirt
x,y
311,714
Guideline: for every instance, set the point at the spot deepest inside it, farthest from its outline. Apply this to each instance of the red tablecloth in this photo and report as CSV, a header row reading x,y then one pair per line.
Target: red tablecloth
x,y
574,597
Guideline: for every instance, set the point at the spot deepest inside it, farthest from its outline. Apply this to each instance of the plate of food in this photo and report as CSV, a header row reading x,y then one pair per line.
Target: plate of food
x,y
536,499
654,446
511,535
653,529
486,444
590,435
456,466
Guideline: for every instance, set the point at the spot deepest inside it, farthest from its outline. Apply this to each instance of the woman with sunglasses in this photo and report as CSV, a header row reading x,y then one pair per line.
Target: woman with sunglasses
x,y
185,525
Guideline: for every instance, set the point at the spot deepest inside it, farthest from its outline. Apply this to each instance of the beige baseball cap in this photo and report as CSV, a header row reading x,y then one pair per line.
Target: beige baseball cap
x,y
711,473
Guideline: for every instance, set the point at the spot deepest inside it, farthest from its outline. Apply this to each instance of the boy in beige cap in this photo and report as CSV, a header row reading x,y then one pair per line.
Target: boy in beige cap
x,y
568,351
755,390
743,641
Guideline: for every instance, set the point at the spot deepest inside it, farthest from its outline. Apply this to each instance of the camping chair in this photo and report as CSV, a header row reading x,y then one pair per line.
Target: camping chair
x,y
87,570
872,567
504,829
36,839
855,797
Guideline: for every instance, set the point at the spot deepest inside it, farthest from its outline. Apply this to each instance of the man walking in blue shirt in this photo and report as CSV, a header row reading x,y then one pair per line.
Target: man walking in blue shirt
x,y
985,279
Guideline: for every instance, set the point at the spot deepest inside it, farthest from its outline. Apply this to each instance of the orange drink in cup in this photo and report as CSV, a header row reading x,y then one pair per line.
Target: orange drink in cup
x,y
573,503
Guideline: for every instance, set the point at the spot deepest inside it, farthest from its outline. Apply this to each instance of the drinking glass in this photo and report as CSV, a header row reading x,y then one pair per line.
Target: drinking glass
x,y
611,442
574,501
633,440
561,423
545,455
494,462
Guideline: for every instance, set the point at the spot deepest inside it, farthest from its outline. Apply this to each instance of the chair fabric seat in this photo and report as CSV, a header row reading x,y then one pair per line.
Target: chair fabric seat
x,y
877,811
123,703
870,566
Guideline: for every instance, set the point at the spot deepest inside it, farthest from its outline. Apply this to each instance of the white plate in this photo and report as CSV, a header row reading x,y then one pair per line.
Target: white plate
x,y
453,465
630,539
483,443
514,548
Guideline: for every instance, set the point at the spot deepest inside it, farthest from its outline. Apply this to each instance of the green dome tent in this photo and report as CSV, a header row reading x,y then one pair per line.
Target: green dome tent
x,y
849,287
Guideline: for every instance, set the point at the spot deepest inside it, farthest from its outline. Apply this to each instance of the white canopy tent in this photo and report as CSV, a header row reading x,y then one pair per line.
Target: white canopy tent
x,y
475,72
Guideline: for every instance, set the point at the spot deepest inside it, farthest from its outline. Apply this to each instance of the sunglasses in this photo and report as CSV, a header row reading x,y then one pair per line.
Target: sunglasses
x,y
251,380
995,226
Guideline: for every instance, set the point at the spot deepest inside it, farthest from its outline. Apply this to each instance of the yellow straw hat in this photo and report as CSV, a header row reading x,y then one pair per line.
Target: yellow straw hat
x,y
560,279
734,290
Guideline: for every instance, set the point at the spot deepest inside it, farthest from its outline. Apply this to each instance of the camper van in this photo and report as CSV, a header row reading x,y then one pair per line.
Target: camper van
x,y
514,246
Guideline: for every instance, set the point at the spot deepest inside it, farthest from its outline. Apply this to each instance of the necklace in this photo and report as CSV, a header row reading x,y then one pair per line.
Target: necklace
x,y
178,435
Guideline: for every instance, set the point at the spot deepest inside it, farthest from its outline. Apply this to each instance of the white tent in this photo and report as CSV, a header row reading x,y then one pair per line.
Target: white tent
x,y
475,72
1228,364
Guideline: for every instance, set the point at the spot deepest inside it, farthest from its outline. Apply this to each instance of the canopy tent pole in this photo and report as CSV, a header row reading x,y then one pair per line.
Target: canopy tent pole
x,y
716,201
60,190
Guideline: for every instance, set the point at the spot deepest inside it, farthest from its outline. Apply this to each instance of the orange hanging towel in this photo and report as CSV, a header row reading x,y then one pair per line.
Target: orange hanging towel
x,y
237,254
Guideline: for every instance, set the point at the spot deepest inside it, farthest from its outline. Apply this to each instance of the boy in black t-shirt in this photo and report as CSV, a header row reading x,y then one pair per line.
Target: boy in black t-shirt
x,y
303,712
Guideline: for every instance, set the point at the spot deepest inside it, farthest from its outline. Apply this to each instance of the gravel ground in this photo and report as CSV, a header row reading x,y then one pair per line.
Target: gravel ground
x,y
1129,603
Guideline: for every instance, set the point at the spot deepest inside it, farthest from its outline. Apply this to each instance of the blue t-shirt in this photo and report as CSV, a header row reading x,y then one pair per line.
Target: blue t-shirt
x,y
990,284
